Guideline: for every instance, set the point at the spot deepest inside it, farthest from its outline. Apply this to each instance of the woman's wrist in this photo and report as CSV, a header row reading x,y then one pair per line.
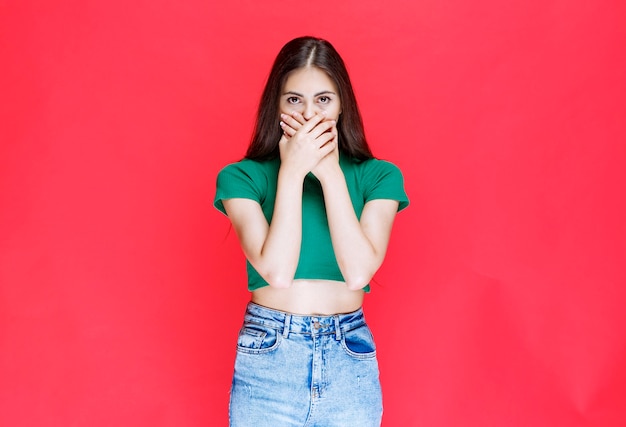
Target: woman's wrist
x,y
331,175
291,174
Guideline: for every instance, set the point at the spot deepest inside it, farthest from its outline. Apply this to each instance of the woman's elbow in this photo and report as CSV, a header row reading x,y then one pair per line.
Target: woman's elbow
x,y
357,283
357,277
279,281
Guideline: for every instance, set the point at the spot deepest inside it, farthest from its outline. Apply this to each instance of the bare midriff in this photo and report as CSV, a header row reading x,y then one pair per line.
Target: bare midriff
x,y
310,297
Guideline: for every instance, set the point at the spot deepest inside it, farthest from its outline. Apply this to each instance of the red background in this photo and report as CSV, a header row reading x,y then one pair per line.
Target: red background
x,y
501,302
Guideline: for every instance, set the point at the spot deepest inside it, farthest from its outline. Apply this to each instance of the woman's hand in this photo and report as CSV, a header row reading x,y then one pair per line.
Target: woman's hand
x,y
328,166
306,144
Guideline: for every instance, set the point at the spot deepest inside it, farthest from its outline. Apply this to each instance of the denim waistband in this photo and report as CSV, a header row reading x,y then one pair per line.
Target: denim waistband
x,y
288,323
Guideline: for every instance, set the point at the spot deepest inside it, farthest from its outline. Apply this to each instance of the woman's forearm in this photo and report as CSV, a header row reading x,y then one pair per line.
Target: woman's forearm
x,y
358,257
280,252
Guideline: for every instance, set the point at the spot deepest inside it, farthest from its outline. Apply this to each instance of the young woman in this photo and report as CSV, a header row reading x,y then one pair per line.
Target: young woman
x,y
313,211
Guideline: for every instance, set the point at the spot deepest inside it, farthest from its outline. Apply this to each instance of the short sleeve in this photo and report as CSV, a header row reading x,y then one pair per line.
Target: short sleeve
x,y
385,181
238,180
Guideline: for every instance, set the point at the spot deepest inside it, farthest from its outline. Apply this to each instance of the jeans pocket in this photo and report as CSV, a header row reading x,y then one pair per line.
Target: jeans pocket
x,y
257,339
359,343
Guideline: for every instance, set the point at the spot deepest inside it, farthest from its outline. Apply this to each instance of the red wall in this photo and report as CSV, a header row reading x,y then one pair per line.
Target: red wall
x,y
501,302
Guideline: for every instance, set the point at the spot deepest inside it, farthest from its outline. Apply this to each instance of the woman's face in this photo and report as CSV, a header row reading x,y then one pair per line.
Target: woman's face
x,y
309,90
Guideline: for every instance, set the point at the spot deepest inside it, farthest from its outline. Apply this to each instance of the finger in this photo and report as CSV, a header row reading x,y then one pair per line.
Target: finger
x,y
335,134
323,128
334,130
290,121
287,130
328,148
325,139
313,122
298,117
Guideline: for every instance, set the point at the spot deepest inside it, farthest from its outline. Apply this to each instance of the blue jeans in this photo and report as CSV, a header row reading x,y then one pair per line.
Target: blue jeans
x,y
305,371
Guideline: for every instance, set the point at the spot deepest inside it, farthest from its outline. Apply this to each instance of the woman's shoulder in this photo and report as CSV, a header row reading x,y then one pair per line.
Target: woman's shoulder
x,y
378,179
246,178
371,166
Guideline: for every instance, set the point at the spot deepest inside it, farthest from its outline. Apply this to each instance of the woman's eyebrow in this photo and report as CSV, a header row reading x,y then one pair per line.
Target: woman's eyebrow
x,y
326,92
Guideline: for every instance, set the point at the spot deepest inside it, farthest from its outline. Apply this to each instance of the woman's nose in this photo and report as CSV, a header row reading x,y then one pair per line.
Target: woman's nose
x,y
310,110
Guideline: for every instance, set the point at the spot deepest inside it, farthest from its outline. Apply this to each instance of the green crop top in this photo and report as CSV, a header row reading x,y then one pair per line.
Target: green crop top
x,y
366,180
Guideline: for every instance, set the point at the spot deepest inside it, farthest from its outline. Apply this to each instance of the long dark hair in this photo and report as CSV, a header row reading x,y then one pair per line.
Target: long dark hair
x,y
298,53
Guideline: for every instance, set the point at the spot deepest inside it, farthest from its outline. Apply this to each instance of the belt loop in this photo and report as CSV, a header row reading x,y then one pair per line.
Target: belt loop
x,y
337,328
286,327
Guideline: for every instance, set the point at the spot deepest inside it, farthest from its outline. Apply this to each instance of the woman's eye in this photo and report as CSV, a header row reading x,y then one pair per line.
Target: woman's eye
x,y
324,99
292,100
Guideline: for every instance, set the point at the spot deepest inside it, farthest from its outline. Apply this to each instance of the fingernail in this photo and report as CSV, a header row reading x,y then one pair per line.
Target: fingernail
x,y
282,124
